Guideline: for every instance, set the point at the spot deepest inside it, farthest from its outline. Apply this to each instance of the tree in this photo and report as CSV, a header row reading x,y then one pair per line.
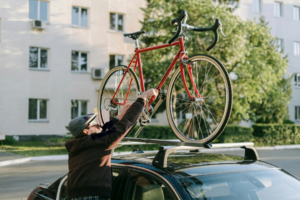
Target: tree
x,y
248,52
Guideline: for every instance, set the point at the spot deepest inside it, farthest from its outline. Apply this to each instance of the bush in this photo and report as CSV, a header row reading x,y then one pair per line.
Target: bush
x,y
287,121
259,130
155,132
9,140
274,134
233,133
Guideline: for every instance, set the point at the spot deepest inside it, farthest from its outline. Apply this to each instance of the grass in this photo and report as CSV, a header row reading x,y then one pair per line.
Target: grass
x,y
38,148
35,149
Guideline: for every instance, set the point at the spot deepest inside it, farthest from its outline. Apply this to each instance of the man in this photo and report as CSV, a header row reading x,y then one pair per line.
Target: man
x,y
90,151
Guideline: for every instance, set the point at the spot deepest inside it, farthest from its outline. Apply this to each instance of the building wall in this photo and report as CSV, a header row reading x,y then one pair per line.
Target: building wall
x,y
285,28
59,85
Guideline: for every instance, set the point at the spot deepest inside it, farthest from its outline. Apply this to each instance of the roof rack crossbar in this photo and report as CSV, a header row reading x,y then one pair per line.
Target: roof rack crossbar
x,y
160,159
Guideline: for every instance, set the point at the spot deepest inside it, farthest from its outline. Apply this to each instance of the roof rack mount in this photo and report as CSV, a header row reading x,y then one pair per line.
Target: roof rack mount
x,y
160,159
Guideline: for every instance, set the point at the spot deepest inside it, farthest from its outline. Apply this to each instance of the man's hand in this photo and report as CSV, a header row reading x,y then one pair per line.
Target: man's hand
x,y
149,93
123,111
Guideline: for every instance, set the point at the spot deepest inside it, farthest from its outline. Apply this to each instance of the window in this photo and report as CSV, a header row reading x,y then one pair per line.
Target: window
x,y
297,80
80,16
257,6
297,112
279,45
144,186
278,9
38,10
78,108
296,13
116,22
79,61
115,60
37,109
38,58
297,48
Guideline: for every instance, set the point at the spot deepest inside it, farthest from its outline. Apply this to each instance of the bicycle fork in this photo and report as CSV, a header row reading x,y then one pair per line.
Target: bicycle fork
x,y
184,64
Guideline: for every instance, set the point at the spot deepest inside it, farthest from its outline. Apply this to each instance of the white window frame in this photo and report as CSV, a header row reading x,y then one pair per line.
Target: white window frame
x,y
297,80
279,44
280,14
39,59
297,115
116,59
78,62
296,13
297,49
38,10
38,111
79,17
79,107
116,22
257,6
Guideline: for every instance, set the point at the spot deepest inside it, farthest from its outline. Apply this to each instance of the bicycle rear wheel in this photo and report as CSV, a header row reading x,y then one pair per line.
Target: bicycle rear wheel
x,y
203,119
107,109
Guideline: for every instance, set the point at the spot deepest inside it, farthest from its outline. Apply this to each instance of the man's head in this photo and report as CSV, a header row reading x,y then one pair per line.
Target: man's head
x,y
84,125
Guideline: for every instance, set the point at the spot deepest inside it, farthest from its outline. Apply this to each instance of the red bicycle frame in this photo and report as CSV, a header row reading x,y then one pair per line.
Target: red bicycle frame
x,y
136,60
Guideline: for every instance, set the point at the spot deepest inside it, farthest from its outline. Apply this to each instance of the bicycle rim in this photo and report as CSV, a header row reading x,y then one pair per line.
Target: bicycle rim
x,y
108,109
204,119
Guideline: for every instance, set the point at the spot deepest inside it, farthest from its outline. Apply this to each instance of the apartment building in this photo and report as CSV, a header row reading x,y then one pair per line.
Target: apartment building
x,y
283,17
53,55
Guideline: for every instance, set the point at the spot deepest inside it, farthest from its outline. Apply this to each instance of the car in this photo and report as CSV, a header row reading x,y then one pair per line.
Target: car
x,y
184,172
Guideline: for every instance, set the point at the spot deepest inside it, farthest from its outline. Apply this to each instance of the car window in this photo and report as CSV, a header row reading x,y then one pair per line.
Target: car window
x,y
247,185
142,186
118,187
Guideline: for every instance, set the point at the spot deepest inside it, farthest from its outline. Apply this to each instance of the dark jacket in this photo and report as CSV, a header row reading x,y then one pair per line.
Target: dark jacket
x,y
90,156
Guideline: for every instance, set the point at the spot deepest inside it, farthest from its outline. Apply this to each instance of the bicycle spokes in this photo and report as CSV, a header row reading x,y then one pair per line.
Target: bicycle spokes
x,y
199,117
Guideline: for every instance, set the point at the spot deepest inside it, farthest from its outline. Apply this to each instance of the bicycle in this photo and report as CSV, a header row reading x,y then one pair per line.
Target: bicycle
x,y
198,105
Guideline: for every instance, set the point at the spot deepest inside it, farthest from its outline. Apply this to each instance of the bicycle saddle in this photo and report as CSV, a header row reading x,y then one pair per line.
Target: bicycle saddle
x,y
134,35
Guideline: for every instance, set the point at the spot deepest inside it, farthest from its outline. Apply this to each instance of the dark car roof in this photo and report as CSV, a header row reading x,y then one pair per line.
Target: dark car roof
x,y
185,164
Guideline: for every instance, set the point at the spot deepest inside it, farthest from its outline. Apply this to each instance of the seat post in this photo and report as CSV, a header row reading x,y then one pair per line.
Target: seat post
x,y
137,43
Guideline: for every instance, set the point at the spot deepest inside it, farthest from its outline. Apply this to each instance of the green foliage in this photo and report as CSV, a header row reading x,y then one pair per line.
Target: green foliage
x,y
271,135
9,140
234,133
260,130
249,51
287,121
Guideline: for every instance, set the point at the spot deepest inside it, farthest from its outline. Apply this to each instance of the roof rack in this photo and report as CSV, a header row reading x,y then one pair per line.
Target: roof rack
x,y
160,159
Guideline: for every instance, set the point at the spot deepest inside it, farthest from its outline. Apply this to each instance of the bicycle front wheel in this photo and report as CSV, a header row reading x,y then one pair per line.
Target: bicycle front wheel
x,y
201,119
109,107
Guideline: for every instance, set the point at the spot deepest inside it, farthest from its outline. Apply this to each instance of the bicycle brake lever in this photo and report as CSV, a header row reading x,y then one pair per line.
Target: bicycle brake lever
x,y
222,31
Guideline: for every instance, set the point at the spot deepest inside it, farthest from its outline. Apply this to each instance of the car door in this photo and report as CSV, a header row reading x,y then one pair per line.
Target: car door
x,y
142,185
118,176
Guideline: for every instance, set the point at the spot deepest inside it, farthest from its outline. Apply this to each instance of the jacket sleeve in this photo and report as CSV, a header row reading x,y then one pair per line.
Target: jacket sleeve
x,y
113,136
109,125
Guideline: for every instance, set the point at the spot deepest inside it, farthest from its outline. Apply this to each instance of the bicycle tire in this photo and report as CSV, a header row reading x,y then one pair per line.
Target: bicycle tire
x,y
187,126
111,81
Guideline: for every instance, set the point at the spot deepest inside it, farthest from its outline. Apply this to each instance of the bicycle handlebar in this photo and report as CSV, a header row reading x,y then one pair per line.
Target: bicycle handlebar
x,y
214,29
177,21
183,15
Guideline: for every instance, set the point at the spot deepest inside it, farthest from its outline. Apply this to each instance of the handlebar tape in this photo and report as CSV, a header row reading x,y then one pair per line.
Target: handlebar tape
x,y
177,21
214,29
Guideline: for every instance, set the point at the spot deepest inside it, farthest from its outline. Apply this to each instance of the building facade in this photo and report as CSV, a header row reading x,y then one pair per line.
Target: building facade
x,y
49,51
283,16
50,71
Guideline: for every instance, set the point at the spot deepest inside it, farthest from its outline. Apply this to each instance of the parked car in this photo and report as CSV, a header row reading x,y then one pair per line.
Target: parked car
x,y
189,175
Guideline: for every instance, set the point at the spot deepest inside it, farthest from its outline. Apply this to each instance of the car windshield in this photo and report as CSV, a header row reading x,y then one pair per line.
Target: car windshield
x,y
243,185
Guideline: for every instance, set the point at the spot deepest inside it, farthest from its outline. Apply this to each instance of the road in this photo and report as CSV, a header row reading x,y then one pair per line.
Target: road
x,y
17,181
